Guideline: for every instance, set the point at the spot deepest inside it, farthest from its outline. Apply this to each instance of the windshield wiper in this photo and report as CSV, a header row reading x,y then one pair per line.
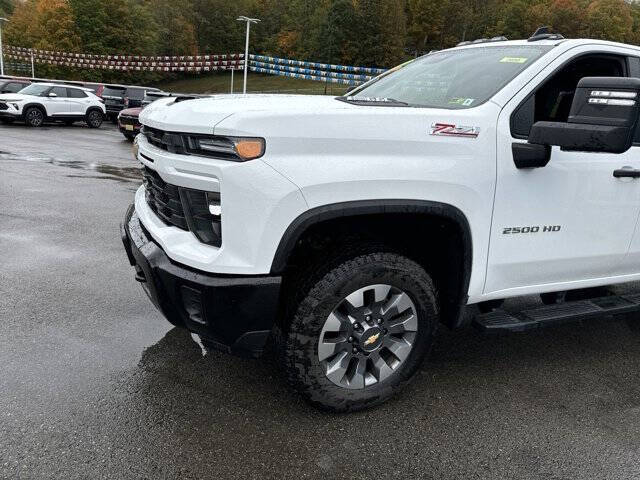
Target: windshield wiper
x,y
373,101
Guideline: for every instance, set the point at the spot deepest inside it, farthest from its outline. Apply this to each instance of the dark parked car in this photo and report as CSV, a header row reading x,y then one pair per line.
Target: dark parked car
x,y
151,96
128,119
113,96
119,97
13,86
128,122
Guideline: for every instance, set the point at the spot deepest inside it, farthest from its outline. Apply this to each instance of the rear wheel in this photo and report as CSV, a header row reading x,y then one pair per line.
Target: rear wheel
x,y
360,332
34,117
94,118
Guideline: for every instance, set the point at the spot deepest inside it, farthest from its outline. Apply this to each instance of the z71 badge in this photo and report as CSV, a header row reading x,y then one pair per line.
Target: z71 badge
x,y
451,130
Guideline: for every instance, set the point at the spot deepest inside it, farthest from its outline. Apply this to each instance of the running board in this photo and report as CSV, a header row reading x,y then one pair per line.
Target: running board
x,y
549,315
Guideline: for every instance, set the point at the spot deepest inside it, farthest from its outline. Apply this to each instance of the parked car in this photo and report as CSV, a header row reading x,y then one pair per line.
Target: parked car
x,y
128,119
40,102
113,96
128,122
119,97
151,96
13,86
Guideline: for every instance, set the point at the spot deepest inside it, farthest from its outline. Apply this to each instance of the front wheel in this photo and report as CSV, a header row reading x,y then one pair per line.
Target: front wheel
x,y
361,332
34,117
94,119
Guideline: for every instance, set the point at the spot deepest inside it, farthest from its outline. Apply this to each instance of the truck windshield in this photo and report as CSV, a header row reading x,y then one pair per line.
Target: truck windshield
x,y
453,79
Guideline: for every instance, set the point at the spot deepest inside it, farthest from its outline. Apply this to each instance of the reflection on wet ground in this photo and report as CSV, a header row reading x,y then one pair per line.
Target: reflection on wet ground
x,y
108,172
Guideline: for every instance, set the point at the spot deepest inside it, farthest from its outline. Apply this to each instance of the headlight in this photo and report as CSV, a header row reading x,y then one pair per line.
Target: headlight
x,y
232,148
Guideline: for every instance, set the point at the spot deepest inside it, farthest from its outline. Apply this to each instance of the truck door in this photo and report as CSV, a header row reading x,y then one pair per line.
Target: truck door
x,y
568,224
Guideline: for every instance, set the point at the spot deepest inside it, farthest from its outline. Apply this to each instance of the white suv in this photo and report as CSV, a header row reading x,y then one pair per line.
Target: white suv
x,y
349,228
40,102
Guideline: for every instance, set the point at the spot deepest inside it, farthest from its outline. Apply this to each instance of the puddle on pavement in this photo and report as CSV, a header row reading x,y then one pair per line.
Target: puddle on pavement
x,y
107,172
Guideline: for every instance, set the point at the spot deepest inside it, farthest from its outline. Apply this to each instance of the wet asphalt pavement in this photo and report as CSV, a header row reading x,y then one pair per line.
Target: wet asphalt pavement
x,y
95,384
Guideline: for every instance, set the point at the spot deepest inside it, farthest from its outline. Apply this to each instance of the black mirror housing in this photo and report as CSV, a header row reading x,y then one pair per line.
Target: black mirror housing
x,y
603,117
528,155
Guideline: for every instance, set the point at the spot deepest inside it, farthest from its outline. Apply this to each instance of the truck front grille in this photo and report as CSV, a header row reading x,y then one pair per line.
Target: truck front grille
x,y
164,199
4,106
171,142
184,208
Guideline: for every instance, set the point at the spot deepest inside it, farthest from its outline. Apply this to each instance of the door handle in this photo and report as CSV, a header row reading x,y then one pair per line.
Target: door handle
x,y
626,172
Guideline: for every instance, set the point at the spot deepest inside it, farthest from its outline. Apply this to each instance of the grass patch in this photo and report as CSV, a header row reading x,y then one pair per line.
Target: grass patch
x,y
256,83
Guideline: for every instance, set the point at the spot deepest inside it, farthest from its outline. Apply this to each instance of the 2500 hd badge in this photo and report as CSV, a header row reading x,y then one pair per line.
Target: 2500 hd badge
x,y
534,229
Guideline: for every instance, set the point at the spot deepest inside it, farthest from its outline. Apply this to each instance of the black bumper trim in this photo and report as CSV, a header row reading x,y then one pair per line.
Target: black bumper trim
x,y
233,313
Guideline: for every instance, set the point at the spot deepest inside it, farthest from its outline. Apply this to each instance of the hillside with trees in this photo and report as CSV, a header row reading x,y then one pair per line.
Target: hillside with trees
x,y
355,32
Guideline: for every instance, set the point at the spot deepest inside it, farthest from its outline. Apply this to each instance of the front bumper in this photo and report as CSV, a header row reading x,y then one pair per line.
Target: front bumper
x,y
232,313
14,114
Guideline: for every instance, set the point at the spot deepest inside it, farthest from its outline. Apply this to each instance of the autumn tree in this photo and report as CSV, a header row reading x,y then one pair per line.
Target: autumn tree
x,y
610,20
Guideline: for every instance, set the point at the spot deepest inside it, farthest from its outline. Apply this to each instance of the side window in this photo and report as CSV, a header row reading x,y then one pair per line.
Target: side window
x,y
552,100
75,93
135,93
61,92
14,87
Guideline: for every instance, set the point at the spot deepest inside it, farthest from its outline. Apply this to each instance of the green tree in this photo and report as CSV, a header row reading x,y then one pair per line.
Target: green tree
x,y
6,7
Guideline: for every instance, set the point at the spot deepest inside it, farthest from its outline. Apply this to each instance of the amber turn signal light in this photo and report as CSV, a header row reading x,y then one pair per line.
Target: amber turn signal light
x,y
249,148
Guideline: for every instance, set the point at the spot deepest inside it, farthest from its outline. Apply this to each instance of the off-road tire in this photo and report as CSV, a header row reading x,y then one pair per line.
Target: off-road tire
x,y
315,302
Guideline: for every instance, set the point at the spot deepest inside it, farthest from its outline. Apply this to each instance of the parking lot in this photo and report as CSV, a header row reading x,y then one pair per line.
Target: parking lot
x,y
95,384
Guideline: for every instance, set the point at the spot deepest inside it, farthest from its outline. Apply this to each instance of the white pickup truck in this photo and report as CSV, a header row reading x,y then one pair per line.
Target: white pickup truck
x,y
347,229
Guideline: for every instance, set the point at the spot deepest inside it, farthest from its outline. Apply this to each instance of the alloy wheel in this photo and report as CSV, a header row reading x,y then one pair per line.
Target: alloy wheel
x,y
368,336
35,117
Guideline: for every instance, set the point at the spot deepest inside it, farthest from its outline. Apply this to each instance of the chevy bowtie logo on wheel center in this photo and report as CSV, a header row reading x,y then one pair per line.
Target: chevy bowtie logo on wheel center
x,y
372,339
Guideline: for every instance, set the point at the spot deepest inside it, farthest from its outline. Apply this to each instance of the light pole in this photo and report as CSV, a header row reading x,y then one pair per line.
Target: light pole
x,y
246,46
2,19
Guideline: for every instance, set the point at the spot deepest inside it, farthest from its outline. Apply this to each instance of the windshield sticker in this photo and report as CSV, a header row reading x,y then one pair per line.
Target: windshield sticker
x,y
514,60
451,130
461,101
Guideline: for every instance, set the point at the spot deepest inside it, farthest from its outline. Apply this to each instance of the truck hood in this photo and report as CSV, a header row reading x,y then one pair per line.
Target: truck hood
x,y
201,115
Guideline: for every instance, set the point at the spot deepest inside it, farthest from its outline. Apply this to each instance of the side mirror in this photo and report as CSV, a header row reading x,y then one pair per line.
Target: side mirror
x,y
603,117
51,94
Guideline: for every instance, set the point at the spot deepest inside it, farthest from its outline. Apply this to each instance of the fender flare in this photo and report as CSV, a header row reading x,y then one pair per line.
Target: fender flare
x,y
369,207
